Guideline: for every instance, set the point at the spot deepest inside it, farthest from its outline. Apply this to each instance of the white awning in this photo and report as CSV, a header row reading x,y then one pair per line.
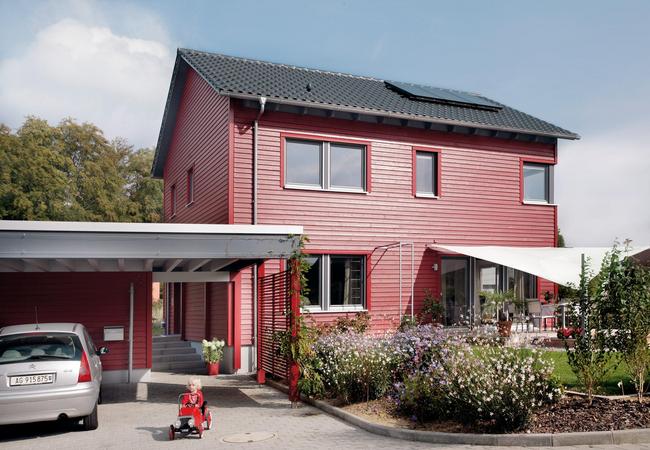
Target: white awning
x,y
560,265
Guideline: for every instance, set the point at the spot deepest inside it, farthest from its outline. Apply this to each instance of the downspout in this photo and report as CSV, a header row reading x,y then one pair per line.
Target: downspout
x,y
131,295
255,312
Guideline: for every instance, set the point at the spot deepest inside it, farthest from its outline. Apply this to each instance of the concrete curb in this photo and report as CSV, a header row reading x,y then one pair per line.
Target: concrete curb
x,y
638,436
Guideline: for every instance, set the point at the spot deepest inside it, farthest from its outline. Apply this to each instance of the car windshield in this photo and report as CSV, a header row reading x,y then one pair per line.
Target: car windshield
x,y
39,346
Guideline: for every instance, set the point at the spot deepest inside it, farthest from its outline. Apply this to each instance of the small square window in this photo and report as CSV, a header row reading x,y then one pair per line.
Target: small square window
x,y
536,182
426,174
304,163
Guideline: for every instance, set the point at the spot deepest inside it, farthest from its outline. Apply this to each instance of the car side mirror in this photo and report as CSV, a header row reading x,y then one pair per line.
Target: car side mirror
x,y
102,351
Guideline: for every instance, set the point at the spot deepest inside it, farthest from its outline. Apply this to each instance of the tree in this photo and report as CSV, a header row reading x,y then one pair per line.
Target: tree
x,y
72,172
624,286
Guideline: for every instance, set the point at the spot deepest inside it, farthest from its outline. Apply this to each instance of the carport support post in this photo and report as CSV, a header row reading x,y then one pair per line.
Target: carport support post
x,y
131,295
294,370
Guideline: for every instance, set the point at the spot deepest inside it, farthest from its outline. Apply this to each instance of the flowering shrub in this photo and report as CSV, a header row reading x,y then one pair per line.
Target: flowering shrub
x,y
500,385
213,350
568,332
354,366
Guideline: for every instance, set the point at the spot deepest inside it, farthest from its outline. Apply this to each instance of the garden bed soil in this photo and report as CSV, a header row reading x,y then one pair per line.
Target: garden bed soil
x,y
571,414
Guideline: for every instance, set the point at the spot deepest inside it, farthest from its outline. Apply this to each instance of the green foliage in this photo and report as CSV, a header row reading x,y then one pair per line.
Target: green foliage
x,y
495,302
213,350
72,172
624,286
590,356
432,308
359,323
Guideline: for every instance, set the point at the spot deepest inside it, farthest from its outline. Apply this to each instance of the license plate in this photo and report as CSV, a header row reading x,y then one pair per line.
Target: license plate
x,y
24,380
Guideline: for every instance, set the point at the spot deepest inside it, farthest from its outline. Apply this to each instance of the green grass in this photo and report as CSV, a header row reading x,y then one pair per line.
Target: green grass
x,y
617,372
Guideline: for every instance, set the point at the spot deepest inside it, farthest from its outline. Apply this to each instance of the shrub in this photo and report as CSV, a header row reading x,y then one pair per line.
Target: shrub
x,y
213,350
502,386
353,366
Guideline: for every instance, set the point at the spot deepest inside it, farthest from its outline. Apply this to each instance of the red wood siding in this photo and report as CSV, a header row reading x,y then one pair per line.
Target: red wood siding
x,y
194,311
480,201
200,142
218,302
93,299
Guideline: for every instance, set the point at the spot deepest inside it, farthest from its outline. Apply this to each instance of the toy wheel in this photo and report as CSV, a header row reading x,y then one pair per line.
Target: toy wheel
x,y
172,435
208,420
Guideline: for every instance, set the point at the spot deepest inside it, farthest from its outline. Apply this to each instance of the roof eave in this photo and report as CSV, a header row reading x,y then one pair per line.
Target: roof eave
x,y
351,109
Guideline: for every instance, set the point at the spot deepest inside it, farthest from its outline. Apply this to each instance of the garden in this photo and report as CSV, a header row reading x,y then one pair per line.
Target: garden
x,y
423,377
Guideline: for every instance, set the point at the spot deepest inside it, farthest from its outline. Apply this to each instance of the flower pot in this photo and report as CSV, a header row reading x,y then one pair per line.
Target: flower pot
x,y
213,368
504,327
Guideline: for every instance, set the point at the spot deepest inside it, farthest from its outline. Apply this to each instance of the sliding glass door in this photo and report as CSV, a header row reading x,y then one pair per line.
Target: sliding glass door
x,y
455,290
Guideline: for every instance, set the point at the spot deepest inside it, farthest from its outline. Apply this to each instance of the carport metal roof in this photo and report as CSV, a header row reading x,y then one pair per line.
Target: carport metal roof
x,y
173,252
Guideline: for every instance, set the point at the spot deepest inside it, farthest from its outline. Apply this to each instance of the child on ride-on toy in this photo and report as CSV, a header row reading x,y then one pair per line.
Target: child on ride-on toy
x,y
193,414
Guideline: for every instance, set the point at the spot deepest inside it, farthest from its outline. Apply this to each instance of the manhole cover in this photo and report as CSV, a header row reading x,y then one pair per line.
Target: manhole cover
x,y
255,436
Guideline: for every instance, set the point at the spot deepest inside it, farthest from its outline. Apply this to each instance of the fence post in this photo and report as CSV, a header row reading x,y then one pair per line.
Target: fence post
x,y
261,295
294,370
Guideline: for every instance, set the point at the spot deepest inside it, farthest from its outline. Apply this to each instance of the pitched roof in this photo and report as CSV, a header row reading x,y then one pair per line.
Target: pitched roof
x,y
281,83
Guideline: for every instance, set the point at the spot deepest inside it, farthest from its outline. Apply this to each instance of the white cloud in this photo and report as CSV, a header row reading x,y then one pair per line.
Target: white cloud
x,y
89,73
603,187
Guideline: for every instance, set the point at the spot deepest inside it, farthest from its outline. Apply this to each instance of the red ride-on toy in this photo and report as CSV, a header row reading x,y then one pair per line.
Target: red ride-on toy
x,y
192,419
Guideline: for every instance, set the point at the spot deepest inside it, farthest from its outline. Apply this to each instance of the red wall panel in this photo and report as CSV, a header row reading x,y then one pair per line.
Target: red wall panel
x,y
200,143
194,311
480,201
93,299
218,306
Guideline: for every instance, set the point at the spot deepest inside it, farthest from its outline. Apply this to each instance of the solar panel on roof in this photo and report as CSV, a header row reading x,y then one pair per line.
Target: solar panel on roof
x,y
432,94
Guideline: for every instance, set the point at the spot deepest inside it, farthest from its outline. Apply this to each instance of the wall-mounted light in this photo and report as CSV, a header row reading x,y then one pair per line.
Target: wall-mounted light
x,y
435,267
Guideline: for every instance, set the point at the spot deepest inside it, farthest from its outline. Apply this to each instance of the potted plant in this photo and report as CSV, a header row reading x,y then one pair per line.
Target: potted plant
x,y
494,306
212,354
432,308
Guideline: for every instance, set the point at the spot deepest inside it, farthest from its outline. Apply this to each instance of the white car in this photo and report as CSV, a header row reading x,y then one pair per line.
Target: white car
x,y
49,371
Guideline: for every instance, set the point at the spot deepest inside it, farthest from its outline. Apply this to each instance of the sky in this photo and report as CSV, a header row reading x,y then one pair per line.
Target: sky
x,y
583,65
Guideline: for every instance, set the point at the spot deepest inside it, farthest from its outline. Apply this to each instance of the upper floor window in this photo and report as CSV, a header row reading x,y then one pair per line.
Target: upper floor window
x,y
172,197
426,174
325,165
190,186
537,182
336,282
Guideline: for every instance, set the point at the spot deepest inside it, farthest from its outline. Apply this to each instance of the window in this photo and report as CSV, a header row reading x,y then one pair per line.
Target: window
x,y
190,186
537,182
172,196
426,173
523,284
336,282
325,165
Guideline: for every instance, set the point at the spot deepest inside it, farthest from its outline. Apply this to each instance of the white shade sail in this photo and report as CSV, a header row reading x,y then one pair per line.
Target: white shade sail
x,y
560,265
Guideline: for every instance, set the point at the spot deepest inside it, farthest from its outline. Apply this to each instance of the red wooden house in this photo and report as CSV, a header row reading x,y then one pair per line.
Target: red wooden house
x,y
376,171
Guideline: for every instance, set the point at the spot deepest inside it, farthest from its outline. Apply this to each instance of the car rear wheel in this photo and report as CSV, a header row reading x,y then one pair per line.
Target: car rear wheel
x,y
91,421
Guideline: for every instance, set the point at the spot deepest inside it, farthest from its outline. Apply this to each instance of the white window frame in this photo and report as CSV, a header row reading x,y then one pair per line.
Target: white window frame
x,y
436,160
325,285
325,167
549,180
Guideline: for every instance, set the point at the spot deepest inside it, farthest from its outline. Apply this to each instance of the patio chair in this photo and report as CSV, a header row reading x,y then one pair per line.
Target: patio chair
x,y
540,314
518,317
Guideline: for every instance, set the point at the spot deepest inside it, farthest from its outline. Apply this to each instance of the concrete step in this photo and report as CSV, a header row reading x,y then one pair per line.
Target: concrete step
x,y
172,351
180,366
171,344
168,338
188,357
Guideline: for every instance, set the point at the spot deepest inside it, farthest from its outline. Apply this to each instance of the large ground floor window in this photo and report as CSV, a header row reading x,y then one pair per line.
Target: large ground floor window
x,y
336,282
464,279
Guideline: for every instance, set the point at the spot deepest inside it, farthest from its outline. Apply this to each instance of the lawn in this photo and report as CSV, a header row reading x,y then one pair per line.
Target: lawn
x,y
610,386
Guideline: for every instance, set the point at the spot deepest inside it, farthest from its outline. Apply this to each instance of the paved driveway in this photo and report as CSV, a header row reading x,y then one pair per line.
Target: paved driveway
x,y
138,416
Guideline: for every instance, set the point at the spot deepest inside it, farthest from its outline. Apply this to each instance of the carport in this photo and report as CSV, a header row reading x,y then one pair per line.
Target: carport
x,y
100,274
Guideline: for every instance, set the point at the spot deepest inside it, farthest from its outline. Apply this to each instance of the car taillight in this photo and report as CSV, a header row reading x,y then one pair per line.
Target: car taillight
x,y
84,370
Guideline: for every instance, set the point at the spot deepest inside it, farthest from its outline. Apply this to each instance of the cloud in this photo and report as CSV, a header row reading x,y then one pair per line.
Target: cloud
x,y
603,187
92,74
